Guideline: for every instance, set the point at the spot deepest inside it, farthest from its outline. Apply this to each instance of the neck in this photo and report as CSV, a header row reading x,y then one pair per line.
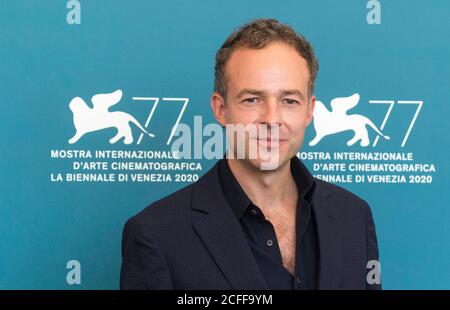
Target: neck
x,y
268,189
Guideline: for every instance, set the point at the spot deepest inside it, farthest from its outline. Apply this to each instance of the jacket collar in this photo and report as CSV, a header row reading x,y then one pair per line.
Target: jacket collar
x,y
222,235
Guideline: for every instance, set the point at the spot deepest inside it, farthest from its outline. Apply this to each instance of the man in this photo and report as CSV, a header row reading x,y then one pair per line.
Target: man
x,y
244,227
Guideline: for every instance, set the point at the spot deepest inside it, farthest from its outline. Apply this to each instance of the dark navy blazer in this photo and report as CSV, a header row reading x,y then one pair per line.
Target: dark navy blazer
x,y
191,239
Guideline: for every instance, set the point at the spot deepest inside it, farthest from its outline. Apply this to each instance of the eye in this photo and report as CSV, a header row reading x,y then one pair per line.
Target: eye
x,y
251,100
291,101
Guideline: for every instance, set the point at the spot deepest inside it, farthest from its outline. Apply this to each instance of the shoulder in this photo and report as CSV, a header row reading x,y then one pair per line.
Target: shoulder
x,y
344,200
164,211
174,210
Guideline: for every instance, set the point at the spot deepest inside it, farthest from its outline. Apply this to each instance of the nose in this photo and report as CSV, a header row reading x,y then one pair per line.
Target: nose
x,y
271,113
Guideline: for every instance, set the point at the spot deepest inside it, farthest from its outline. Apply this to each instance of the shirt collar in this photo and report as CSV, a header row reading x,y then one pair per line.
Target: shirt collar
x,y
236,196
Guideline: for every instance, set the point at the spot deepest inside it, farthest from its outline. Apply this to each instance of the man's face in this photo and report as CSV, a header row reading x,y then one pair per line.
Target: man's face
x,y
267,86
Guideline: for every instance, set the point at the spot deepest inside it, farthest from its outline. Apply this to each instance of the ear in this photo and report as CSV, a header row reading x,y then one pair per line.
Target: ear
x,y
218,107
311,106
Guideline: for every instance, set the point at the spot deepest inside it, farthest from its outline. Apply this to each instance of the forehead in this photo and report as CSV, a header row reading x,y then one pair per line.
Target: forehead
x,y
277,65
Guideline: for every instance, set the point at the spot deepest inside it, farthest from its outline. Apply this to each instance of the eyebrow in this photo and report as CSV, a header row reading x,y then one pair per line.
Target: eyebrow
x,y
251,92
261,93
290,92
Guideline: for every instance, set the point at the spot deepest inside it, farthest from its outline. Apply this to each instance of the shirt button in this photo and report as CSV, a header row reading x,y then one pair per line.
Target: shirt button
x,y
253,212
269,242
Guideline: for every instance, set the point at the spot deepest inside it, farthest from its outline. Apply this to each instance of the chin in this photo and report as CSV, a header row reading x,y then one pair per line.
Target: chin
x,y
269,163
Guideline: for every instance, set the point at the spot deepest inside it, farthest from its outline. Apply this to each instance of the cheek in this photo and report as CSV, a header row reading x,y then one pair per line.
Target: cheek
x,y
234,115
297,137
296,141
295,122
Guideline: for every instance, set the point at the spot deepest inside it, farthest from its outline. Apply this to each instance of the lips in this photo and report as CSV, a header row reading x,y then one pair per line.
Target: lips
x,y
269,139
270,142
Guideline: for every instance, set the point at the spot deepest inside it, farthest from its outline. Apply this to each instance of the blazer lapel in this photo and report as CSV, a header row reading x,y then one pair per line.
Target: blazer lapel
x,y
222,234
330,242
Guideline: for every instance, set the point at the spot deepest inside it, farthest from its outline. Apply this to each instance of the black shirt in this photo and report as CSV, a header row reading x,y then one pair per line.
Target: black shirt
x,y
261,236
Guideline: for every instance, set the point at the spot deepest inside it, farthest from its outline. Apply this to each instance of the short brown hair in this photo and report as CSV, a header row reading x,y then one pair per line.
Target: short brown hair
x,y
256,35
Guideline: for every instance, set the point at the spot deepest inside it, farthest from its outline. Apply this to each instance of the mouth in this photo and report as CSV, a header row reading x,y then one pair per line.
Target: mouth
x,y
270,141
